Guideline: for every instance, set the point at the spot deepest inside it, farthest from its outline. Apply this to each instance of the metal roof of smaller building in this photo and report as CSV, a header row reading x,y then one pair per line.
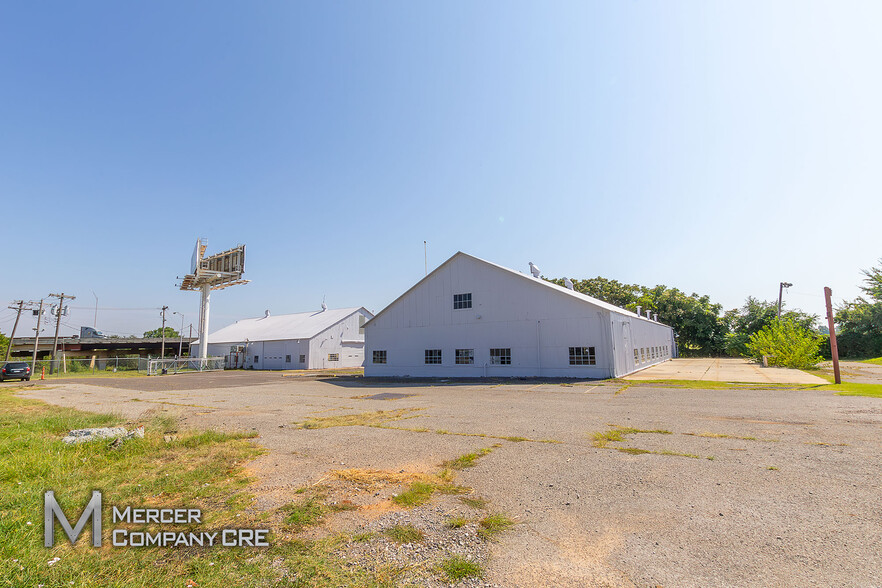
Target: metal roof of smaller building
x,y
282,327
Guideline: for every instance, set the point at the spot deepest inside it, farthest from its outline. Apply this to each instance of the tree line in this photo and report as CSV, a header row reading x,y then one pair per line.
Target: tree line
x,y
704,329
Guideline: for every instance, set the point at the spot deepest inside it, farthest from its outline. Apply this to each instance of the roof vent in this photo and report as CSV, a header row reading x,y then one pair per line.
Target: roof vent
x,y
324,306
534,270
266,314
568,283
647,314
638,309
655,317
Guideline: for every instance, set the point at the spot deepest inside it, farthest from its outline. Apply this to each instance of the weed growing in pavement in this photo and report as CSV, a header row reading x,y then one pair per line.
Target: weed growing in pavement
x,y
458,568
418,493
404,534
492,525
375,417
457,522
361,537
773,468
467,460
474,502
617,434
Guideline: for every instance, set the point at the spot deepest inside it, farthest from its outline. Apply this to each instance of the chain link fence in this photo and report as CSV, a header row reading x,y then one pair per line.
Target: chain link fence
x,y
68,366
182,365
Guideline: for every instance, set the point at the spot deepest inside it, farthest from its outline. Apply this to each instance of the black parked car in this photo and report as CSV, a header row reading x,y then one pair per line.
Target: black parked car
x,y
15,371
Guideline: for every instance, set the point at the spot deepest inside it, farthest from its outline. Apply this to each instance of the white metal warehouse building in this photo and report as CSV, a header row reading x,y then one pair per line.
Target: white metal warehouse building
x,y
473,318
328,338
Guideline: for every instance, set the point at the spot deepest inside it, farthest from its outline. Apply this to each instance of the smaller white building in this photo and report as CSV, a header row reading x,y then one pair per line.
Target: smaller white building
x,y
328,338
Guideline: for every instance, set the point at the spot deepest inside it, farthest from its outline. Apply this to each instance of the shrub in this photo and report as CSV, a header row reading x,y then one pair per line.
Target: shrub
x,y
786,344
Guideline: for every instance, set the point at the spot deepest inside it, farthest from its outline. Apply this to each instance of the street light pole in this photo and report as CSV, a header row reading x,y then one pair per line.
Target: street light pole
x,y
181,343
781,287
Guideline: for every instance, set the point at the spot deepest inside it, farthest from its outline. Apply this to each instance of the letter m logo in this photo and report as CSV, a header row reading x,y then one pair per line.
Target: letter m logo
x,y
53,512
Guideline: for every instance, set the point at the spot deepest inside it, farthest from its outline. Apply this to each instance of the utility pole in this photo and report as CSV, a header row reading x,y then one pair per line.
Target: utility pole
x,y
61,298
781,287
37,338
190,344
162,352
181,342
15,326
834,349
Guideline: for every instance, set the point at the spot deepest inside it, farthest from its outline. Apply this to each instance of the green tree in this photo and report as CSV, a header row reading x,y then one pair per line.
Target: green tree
x,y
860,320
786,343
694,318
4,344
873,282
753,317
170,333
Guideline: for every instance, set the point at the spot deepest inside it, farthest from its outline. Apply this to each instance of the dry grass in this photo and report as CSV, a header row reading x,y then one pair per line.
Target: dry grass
x,y
617,434
373,479
361,419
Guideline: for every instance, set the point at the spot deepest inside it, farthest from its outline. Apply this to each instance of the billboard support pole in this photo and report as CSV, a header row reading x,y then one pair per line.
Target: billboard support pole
x,y
203,322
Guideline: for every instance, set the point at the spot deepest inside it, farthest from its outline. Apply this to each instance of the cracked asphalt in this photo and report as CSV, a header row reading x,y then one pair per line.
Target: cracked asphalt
x,y
795,501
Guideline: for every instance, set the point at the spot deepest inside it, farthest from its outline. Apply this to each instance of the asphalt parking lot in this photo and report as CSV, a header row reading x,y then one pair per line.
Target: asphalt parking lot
x,y
745,487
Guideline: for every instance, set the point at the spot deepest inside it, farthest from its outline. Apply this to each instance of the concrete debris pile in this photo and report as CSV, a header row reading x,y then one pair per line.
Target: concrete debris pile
x,y
84,435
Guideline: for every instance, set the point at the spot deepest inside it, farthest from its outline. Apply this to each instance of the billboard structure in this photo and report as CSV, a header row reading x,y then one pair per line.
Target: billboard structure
x,y
216,272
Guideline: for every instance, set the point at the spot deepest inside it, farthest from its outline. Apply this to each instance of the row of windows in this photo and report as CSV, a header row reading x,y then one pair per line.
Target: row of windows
x,y
644,354
287,359
498,356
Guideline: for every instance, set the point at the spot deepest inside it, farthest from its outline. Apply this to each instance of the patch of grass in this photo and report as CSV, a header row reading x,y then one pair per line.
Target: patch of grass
x,y
617,434
199,470
632,450
165,422
622,389
710,458
773,468
362,537
712,385
474,502
457,522
492,525
516,439
418,493
877,361
306,513
467,460
363,419
404,534
854,389
677,454
457,568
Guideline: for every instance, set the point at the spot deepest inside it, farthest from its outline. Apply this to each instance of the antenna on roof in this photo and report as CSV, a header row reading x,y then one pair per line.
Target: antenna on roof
x,y
534,270
568,283
324,306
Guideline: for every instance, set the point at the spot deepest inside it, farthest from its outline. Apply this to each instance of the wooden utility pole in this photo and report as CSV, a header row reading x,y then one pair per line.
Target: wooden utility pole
x,y
61,298
834,350
18,310
162,352
37,338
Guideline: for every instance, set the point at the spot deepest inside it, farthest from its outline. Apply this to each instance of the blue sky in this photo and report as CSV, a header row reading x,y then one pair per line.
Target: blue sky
x,y
717,147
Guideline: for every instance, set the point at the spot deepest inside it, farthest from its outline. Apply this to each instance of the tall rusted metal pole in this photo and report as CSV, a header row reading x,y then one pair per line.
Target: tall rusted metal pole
x,y
834,350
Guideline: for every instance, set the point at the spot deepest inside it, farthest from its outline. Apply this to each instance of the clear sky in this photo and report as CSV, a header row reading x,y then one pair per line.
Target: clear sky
x,y
717,147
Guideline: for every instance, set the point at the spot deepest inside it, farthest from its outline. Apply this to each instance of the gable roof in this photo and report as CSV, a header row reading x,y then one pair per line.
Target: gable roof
x,y
538,281
302,325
